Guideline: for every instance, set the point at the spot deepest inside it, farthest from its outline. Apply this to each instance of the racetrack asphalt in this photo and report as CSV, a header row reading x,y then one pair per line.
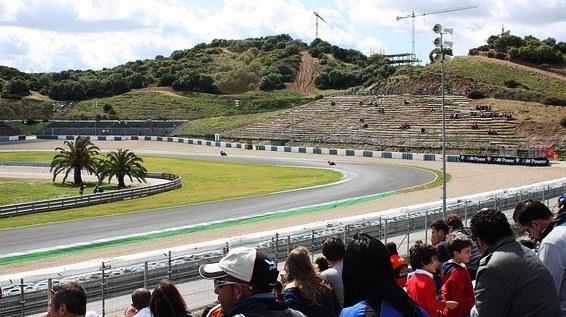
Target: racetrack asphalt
x,y
466,179
359,180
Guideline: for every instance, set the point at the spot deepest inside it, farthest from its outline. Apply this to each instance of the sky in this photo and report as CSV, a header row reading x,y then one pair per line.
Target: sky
x,y
55,35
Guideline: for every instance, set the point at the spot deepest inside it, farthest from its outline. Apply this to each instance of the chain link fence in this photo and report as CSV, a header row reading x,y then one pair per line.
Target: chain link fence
x,y
109,287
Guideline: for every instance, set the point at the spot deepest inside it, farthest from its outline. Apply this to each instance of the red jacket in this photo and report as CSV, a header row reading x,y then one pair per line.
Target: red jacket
x,y
457,287
421,288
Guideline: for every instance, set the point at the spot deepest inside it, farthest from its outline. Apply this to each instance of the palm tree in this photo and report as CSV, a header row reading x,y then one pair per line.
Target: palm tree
x,y
78,155
123,163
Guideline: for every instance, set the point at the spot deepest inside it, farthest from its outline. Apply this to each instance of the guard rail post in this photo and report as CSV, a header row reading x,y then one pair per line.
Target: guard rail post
x,y
425,225
226,248
145,274
22,297
495,202
276,253
465,214
312,246
49,288
288,244
408,231
542,199
169,265
346,234
548,196
385,231
103,289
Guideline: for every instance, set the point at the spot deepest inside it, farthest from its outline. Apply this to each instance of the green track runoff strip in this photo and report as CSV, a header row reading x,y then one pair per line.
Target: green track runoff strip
x,y
191,229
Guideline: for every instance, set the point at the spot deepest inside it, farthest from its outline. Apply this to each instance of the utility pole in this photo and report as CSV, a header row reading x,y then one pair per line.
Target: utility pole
x,y
412,16
440,43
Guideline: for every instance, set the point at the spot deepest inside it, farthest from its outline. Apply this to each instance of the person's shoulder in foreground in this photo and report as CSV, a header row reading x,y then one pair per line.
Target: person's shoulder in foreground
x,y
511,280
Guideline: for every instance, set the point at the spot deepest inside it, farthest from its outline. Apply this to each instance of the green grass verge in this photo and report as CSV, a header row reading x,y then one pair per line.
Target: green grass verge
x,y
219,124
203,181
435,183
26,190
166,104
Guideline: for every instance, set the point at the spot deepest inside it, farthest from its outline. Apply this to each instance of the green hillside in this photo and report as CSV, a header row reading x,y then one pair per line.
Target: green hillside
x,y
495,75
199,82
167,104
491,77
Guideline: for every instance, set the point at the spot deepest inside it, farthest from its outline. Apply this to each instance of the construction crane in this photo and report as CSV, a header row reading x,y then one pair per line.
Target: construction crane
x,y
317,17
413,16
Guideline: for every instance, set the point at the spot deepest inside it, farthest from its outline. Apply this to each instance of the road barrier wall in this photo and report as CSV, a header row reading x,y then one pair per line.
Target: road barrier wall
x,y
485,159
88,199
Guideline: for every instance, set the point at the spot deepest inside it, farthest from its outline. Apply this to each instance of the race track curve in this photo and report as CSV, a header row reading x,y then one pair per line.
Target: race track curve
x,y
359,180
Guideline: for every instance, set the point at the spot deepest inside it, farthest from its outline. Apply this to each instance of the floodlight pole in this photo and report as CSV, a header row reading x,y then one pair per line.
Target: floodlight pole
x,y
443,127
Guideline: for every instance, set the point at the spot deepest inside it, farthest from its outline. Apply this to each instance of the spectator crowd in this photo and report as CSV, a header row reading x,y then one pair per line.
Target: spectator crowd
x,y
477,271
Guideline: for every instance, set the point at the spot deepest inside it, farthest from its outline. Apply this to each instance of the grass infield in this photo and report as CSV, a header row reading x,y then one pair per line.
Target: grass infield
x,y
203,181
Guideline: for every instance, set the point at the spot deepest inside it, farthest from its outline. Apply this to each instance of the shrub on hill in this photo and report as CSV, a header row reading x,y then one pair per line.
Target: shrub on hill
x,y
555,101
527,49
15,88
563,122
271,81
512,83
67,90
476,94
538,54
8,73
196,82
337,78
239,78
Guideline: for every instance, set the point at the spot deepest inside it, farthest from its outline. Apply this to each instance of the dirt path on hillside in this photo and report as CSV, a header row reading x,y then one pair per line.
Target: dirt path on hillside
x,y
308,71
520,66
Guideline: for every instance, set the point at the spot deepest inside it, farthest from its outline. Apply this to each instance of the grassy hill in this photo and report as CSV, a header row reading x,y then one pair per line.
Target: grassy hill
x,y
492,77
168,104
265,74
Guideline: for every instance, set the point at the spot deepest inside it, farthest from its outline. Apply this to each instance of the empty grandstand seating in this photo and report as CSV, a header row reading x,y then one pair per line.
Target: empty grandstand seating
x,y
382,121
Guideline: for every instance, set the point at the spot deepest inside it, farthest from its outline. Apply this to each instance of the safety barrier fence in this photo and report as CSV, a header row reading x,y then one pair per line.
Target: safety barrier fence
x,y
109,283
531,161
91,199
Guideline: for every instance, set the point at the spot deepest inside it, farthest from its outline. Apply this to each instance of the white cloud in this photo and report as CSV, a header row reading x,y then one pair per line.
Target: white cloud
x,y
52,35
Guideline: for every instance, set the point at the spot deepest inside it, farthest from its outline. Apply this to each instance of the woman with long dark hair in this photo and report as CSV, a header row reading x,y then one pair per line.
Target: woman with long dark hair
x,y
305,290
370,288
166,301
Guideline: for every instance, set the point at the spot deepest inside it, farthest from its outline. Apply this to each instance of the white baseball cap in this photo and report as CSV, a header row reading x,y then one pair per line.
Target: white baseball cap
x,y
248,265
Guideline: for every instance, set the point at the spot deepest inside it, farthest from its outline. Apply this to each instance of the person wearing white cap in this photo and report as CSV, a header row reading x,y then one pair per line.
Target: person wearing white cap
x,y
244,279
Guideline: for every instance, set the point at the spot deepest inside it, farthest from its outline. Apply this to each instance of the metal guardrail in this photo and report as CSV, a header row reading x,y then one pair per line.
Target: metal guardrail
x,y
92,199
401,225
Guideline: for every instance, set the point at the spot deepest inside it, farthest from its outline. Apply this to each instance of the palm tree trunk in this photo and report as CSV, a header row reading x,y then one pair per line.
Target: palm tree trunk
x,y
121,183
77,176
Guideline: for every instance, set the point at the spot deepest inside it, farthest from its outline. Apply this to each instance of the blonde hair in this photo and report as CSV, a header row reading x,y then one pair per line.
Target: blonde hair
x,y
302,273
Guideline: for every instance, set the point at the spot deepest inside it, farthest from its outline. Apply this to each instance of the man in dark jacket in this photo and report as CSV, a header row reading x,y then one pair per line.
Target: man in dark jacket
x,y
511,281
244,279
